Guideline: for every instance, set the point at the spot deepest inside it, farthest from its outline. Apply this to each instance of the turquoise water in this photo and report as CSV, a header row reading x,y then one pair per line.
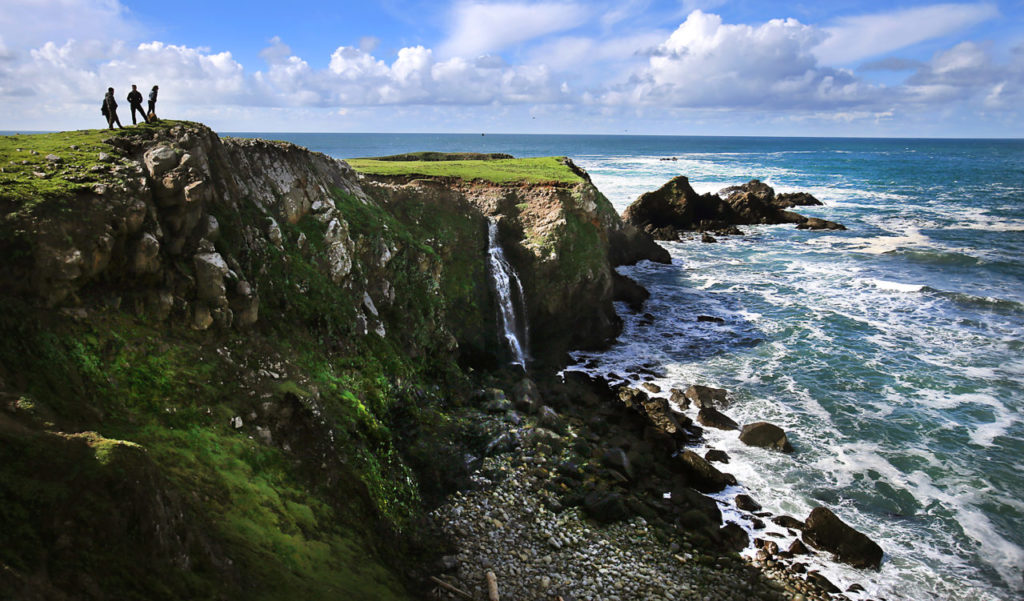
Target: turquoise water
x,y
893,353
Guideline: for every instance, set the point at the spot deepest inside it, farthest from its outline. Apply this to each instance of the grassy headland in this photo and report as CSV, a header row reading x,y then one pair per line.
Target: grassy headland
x,y
538,170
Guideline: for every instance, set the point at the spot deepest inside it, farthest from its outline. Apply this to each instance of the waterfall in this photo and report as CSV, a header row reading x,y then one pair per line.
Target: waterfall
x,y
509,291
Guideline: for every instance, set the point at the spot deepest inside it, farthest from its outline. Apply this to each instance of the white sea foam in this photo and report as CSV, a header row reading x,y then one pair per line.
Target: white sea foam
x,y
897,286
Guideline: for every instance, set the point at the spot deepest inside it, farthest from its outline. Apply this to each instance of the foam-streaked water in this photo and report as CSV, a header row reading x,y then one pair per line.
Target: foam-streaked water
x,y
891,352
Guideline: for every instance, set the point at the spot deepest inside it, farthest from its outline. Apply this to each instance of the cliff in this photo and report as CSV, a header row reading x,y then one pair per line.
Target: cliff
x,y
562,234
231,368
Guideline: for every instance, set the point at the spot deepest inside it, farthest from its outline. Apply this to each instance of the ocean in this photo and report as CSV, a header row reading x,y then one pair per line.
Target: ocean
x,y
892,353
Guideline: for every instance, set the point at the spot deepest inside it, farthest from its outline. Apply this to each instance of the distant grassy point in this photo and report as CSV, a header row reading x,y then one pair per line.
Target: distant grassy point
x,y
495,168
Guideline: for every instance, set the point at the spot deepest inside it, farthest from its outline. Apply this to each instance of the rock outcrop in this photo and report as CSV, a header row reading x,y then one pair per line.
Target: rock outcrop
x,y
676,207
827,532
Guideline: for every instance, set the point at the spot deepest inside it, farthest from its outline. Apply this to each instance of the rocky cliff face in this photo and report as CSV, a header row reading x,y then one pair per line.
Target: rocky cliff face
x,y
252,359
563,239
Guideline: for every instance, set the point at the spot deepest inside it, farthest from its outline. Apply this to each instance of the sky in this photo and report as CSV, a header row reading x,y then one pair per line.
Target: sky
x,y
868,68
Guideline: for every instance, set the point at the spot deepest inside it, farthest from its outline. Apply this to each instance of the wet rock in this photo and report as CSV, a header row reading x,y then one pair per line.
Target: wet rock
x,y
767,436
628,291
679,398
822,582
713,418
734,537
700,474
798,547
660,414
652,388
710,319
705,396
747,503
788,521
825,531
795,199
717,456
813,223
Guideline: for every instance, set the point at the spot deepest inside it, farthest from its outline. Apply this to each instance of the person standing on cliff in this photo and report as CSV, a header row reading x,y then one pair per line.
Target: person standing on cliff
x,y
110,109
135,100
152,103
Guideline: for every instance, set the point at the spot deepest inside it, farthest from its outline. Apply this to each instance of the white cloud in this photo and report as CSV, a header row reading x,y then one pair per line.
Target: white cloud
x,y
481,28
571,53
706,63
967,73
853,39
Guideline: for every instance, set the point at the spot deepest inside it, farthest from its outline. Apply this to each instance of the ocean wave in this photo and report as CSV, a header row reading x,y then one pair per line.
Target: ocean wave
x,y
990,303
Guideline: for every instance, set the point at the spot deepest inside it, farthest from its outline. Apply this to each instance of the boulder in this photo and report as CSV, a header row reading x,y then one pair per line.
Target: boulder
x,y
605,507
826,532
734,537
210,272
747,503
615,458
705,396
765,435
628,291
526,395
549,418
713,418
813,223
660,414
159,160
717,456
700,474
679,398
788,521
796,199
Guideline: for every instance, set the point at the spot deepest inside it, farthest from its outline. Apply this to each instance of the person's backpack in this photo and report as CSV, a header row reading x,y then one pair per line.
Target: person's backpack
x,y
103,109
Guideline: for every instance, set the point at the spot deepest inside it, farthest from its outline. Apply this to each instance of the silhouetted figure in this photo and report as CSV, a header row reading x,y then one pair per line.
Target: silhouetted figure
x,y
110,109
135,100
152,103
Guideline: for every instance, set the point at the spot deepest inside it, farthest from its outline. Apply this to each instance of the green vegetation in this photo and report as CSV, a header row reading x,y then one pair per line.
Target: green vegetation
x,y
27,177
499,171
444,156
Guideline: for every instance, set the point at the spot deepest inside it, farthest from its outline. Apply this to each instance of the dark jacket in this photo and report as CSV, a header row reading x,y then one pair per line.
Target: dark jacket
x,y
135,97
110,103
152,96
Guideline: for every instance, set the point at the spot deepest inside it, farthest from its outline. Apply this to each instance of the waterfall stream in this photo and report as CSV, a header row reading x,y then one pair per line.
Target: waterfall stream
x,y
509,291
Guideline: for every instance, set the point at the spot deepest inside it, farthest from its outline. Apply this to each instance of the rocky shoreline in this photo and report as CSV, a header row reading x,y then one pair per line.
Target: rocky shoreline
x,y
556,511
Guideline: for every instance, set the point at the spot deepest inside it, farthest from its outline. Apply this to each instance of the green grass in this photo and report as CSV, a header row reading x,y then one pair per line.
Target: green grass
x,y
28,178
499,171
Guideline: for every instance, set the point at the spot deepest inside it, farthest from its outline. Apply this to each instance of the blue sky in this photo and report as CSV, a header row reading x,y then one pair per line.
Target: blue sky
x,y
703,67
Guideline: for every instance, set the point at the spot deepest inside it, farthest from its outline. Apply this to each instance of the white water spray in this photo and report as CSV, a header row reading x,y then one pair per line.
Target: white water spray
x,y
509,290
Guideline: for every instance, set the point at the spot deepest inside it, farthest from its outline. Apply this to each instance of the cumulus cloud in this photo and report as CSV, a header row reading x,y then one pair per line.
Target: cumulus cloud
x,y
967,72
854,39
706,63
481,28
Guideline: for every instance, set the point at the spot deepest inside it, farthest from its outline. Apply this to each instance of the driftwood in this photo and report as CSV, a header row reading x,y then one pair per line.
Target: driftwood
x,y
448,587
492,587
